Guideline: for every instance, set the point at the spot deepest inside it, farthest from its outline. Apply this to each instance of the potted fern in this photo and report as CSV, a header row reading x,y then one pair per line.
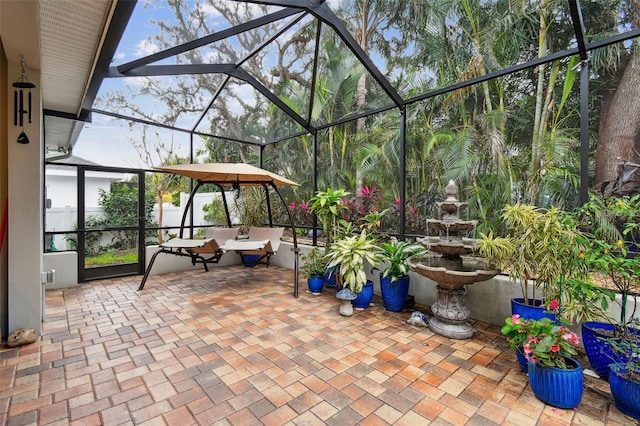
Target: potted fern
x,y
394,278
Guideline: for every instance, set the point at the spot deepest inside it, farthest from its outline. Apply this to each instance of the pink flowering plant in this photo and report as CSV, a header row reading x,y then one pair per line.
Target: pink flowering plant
x,y
542,341
301,213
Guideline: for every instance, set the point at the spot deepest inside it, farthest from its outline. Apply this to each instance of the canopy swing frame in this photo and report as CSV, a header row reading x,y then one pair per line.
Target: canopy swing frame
x,y
237,179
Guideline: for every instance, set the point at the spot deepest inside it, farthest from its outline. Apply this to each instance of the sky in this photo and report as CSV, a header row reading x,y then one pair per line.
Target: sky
x,y
116,135
136,42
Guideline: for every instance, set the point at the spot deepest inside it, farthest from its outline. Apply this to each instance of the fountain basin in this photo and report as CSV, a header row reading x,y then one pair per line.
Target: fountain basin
x,y
450,314
451,274
451,226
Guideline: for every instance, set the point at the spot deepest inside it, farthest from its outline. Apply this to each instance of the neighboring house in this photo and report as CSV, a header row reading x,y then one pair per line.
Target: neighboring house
x,y
61,194
61,183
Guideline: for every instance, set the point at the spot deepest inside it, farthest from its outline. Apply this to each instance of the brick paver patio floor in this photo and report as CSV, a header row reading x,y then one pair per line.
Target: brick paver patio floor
x,y
234,347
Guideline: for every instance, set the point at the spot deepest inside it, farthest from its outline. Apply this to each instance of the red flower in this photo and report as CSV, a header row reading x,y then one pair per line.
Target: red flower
x,y
554,304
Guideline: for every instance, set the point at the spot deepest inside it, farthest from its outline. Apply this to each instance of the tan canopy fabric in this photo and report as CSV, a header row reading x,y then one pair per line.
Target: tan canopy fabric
x,y
244,174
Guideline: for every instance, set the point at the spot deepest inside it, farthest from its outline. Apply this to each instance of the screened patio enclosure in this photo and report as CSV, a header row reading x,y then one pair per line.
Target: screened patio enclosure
x,y
516,100
362,94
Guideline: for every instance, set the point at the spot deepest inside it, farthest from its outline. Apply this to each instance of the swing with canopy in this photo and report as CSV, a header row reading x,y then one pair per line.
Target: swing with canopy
x,y
262,241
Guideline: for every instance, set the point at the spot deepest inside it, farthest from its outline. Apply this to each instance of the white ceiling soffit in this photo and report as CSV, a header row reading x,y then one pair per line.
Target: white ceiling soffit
x,y
71,36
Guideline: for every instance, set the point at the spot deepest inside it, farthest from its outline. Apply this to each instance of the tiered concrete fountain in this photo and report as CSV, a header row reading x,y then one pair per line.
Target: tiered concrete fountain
x,y
449,265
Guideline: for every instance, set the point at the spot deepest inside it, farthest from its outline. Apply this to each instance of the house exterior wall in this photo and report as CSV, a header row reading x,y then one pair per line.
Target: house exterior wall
x,y
22,171
24,232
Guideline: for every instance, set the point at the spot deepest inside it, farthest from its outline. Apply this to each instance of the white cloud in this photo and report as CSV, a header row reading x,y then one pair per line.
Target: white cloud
x,y
334,4
146,47
209,10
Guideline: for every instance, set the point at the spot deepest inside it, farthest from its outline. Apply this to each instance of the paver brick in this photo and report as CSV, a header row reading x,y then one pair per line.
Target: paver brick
x,y
232,346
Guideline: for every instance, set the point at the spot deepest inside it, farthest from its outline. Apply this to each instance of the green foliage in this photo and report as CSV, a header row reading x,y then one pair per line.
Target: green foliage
x,y
372,221
581,299
314,264
251,206
215,212
327,206
612,225
351,253
91,239
120,207
112,258
396,253
540,244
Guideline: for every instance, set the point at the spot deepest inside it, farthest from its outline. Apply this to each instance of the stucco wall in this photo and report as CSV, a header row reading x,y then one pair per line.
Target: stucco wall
x,y
487,301
25,179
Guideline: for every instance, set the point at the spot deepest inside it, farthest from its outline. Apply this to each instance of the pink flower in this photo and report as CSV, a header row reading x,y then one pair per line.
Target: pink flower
x,y
292,206
527,352
554,304
571,337
397,201
555,348
515,319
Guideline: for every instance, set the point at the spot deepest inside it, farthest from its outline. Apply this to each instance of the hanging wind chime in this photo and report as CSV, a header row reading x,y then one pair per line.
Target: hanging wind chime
x,y
19,107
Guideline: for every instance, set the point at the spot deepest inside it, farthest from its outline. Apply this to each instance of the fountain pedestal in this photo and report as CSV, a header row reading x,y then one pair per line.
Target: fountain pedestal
x,y
450,314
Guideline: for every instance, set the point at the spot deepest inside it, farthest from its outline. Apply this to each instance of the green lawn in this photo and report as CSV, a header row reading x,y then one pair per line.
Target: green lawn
x,y
112,258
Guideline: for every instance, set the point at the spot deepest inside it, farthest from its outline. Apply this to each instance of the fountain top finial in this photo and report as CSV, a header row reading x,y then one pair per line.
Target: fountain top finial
x,y
451,191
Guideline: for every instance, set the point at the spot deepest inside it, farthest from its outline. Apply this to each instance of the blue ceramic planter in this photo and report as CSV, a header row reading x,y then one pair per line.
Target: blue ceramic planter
x,y
522,360
364,297
315,284
555,386
626,392
534,310
595,338
394,294
250,260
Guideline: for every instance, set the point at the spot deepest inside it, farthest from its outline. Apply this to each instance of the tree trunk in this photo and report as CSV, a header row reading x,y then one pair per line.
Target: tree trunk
x,y
619,130
160,217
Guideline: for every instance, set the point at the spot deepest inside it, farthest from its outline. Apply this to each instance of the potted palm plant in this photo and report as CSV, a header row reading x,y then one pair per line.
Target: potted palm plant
x,y
326,205
394,278
538,249
313,269
349,255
